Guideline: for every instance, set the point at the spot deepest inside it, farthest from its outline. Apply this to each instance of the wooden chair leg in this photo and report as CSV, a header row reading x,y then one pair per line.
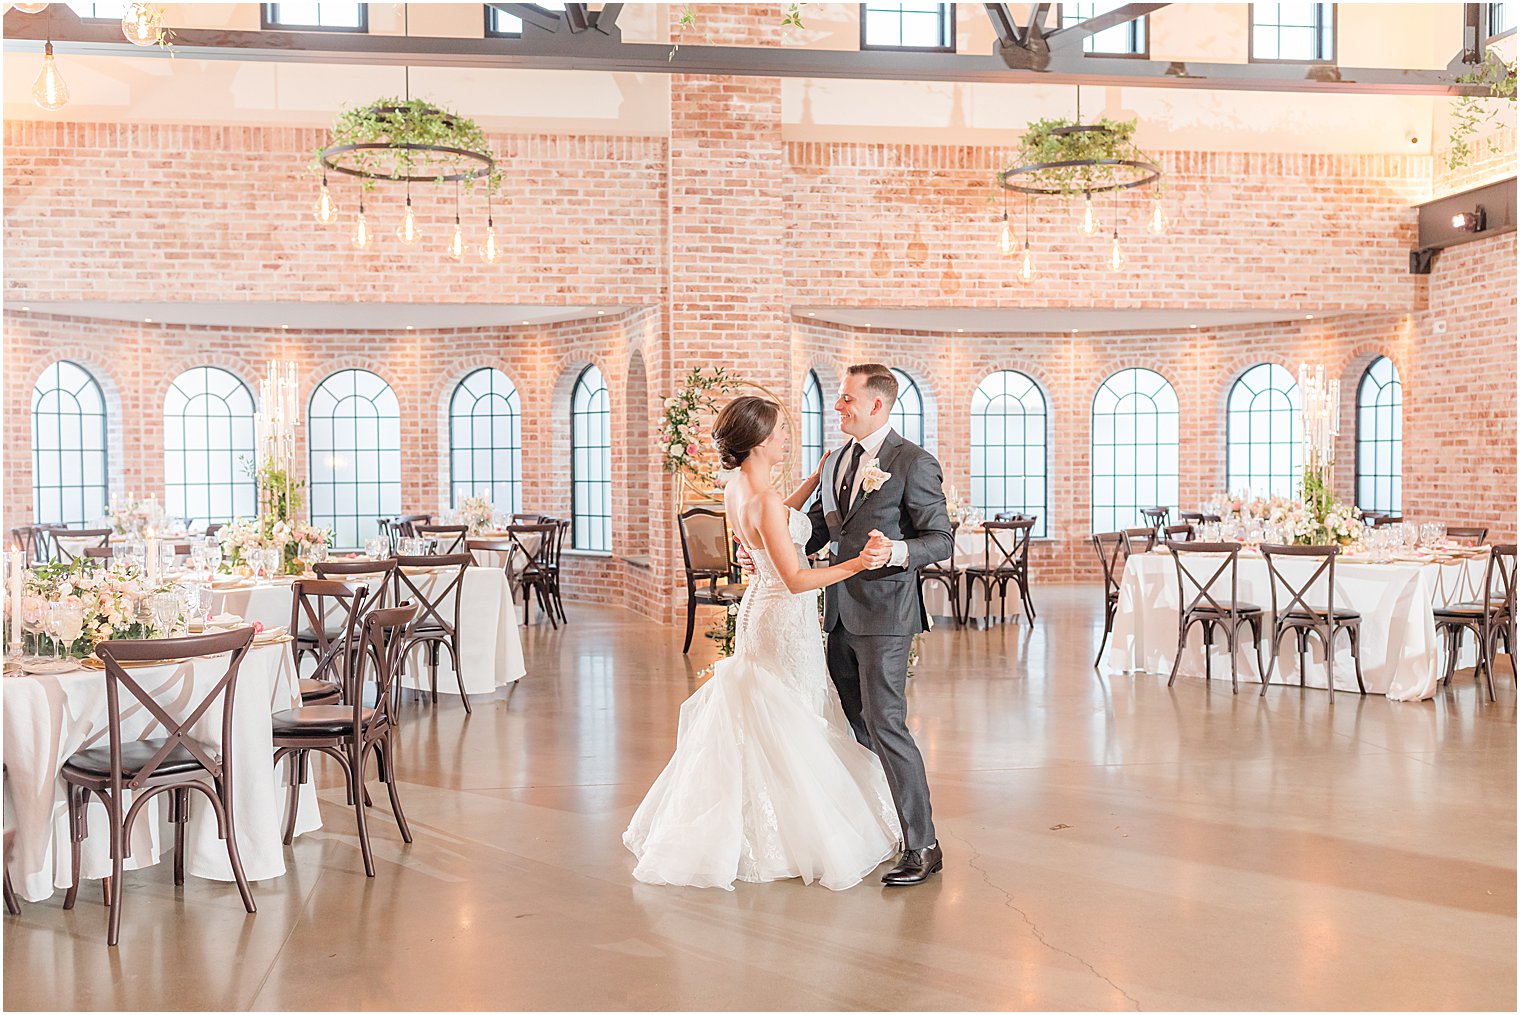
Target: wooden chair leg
x,y
178,805
113,919
76,837
691,623
12,903
1354,632
1182,625
356,783
388,773
234,858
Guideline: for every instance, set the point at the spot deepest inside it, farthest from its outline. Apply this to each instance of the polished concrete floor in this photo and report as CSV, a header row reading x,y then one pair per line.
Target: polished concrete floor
x,y
1110,843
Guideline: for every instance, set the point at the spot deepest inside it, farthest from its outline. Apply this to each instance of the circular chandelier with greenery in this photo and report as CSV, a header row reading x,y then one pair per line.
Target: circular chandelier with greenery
x,y
1067,159
406,141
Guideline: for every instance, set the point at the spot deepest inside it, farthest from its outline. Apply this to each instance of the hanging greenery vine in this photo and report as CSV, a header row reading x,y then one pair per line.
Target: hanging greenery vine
x,y
790,18
1476,113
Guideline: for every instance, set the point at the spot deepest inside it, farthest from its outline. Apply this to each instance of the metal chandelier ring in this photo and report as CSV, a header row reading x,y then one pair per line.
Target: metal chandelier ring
x,y
484,164
1149,173
787,468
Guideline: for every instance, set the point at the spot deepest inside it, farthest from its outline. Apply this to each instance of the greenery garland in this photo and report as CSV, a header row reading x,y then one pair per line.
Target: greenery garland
x,y
1041,144
396,121
680,429
1473,113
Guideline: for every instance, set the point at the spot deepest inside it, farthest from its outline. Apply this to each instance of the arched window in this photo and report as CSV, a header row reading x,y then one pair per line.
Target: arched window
x,y
907,416
1008,450
354,437
208,447
1380,439
811,437
591,462
1134,448
1263,439
485,441
68,446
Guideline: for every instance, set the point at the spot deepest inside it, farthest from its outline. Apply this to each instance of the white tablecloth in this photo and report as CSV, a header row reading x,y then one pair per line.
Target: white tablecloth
x,y
970,551
489,643
1401,652
49,717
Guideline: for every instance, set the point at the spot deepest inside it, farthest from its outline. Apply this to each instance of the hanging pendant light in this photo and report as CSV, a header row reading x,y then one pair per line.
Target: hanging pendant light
x,y
30,8
1026,259
141,25
49,91
488,248
361,227
1157,223
456,245
1090,225
1116,260
1005,237
325,211
407,231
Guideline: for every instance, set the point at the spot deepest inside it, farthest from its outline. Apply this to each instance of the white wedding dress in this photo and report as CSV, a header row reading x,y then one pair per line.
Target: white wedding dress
x,y
767,782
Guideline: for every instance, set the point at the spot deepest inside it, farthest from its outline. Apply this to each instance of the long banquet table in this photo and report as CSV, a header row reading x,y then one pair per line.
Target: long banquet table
x,y
48,717
1401,651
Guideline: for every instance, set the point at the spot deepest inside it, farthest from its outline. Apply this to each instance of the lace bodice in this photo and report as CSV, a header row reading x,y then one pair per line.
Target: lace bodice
x,y
780,630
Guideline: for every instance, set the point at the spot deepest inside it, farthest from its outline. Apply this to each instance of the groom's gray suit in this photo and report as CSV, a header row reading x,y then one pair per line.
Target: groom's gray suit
x,y
871,618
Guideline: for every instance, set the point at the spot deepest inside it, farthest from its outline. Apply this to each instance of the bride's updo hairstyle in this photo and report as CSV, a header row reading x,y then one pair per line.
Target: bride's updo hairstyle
x,y
744,423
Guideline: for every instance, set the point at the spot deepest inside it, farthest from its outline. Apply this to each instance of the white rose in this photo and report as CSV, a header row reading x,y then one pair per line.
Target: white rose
x,y
873,478
671,403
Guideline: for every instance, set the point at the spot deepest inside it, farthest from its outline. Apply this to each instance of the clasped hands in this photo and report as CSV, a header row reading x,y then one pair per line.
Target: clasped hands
x,y
877,552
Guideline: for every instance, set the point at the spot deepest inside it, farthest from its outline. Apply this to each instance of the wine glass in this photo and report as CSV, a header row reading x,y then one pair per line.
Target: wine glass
x,y
377,548
166,611
213,551
317,554
65,621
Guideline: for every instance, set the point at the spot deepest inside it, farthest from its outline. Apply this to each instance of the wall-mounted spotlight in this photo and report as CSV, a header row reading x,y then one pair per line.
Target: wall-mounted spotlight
x,y
1474,221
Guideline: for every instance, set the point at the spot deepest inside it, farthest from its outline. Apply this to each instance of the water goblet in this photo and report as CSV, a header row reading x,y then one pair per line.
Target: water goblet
x,y
34,612
166,611
317,554
377,548
203,600
269,562
198,557
213,551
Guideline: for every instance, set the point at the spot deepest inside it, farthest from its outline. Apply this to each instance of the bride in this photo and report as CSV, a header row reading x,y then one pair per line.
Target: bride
x,y
767,781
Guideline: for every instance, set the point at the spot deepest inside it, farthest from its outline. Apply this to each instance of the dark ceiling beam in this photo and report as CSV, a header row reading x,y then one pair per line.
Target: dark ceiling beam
x,y
1064,38
1472,33
1490,210
577,17
529,14
605,20
1002,23
595,51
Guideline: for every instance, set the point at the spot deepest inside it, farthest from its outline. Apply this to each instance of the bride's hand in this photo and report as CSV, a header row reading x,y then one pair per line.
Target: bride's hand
x,y
818,469
877,552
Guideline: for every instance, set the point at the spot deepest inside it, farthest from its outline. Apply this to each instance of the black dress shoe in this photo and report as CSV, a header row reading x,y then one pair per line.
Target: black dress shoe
x,y
915,866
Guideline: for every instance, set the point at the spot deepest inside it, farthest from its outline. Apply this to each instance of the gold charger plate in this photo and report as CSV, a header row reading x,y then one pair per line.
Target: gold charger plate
x,y
96,663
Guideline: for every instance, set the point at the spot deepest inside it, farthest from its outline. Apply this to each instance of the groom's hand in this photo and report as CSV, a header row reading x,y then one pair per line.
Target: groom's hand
x,y
878,550
744,559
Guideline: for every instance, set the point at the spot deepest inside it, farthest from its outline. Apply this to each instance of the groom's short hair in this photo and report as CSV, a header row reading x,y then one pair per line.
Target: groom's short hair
x,y
879,380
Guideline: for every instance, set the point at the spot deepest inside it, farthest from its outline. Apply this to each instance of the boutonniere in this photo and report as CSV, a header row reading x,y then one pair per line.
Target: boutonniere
x,y
873,478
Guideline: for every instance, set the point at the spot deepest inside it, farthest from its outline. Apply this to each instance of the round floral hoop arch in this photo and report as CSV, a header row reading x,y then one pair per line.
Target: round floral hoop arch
x,y
686,447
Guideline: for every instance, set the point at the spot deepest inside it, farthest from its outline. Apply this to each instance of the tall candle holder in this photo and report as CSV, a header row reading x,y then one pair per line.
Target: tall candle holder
x,y
1320,408
275,426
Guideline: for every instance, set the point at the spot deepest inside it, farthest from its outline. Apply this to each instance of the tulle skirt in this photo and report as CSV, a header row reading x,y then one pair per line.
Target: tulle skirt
x,y
763,787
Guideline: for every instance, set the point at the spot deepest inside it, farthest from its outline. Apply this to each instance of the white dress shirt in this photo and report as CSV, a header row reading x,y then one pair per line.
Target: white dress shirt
x,y
872,444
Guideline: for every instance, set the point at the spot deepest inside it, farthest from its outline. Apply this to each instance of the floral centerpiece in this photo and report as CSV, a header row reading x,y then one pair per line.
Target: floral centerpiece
x,y
135,517
294,540
112,598
477,513
1317,520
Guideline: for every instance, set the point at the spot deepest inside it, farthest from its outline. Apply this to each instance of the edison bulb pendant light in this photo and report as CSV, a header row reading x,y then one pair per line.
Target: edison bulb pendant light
x,y
488,248
456,245
1090,224
361,230
30,8
138,25
407,230
49,91
1115,254
1026,265
1157,224
325,210
1005,237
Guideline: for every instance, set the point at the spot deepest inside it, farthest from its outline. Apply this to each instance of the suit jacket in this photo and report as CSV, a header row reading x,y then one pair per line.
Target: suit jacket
x,y
909,507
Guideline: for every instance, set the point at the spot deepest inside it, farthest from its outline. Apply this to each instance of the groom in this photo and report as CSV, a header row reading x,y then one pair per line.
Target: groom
x,y
880,485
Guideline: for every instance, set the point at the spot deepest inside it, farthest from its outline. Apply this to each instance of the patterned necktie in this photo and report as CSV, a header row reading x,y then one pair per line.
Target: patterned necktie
x,y
847,484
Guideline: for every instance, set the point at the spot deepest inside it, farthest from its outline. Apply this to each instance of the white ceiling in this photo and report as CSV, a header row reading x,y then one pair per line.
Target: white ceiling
x,y
1041,320
322,316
